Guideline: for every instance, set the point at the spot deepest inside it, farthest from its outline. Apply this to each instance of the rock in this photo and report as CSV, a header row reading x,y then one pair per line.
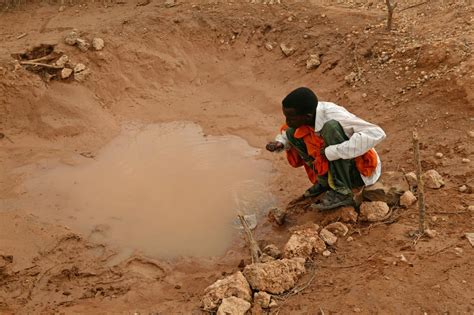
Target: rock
x,y
303,243
66,73
62,61
326,253
328,237
439,155
373,211
471,134
411,179
459,251
403,258
98,43
470,208
273,251
273,304
266,258
466,161
234,285
287,50
61,8
262,298
276,276
313,62
277,215
350,239
79,67
337,228
233,306
170,3
81,76
463,188
82,44
432,179
407,199
351,77
470,238
343,214
71,38
431,233
268,46
388,189
364,95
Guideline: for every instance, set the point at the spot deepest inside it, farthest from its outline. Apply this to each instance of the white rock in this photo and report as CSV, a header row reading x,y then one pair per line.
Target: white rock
x,y
350,239
81,76
470,208
313,62
268,46
66,73
304,242
326,253
337,228
272,250
62,61
98,43
71,38
403,258
234,285
276,276
463,188
61,8
432,179
233,306
328,237
170,3
439,155
431,233
364,95
262,298
373,211
470,238
466,161
407,199
79,67
82,44
287,50
411,179
351,77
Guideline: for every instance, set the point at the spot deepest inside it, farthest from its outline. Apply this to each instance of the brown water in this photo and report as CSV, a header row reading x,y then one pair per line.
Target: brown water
x,y
165,190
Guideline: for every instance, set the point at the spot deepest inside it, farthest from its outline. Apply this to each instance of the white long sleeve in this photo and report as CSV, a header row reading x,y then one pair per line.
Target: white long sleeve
x,y
362,135
282,138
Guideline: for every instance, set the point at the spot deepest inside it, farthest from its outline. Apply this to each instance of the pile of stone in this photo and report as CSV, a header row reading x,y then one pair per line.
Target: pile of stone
x,y
73,39
277,273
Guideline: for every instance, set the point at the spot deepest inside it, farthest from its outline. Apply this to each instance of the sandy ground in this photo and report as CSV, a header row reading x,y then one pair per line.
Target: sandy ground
x,y
206,62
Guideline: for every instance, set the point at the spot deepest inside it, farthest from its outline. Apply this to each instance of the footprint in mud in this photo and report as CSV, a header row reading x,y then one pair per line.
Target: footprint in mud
x,y
146,268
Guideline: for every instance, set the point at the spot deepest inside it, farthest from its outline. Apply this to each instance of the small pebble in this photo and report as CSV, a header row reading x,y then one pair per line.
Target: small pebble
x,y
463,188
470,208
466,161
350,238
326,253
458,250
439,155
431,233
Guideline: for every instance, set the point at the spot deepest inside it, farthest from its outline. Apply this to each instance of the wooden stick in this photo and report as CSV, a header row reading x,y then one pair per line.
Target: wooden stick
x,y
390,8
420,188
38,64
255,250
413,6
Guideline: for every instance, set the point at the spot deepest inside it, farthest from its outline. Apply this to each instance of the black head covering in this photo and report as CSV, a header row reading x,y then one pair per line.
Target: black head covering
x,y
303,100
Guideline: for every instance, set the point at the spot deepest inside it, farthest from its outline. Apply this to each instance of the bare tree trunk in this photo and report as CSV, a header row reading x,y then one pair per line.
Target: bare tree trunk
x,y
390,8
420,187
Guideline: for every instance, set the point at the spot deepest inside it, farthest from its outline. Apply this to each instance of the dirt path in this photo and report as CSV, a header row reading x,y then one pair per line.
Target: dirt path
x,y
210,63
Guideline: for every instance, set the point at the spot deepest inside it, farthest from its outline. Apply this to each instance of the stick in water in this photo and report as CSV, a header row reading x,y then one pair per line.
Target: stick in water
x,y
255,250
420,189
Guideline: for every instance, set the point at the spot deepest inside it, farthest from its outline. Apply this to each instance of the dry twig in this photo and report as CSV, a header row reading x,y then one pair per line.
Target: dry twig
x,y
38,64
420,187
390,8
255,250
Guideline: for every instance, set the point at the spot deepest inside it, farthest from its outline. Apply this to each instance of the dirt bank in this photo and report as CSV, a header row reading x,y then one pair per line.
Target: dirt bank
x,y
211,63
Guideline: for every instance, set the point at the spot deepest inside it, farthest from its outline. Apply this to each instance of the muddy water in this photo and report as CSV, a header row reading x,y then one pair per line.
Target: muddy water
x,y
166,190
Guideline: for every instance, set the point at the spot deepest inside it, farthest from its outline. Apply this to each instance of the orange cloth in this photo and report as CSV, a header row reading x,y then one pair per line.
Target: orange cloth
x,y
365,163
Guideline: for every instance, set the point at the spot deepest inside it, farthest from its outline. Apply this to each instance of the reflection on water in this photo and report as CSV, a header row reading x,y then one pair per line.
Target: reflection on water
x,y
166,190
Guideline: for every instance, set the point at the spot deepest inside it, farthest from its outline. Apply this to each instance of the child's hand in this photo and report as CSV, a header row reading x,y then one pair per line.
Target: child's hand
x,y
274,146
